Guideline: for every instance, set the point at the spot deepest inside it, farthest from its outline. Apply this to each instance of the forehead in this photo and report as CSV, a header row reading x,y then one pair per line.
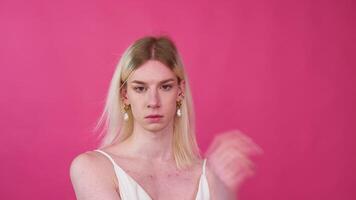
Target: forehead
x,y
152,71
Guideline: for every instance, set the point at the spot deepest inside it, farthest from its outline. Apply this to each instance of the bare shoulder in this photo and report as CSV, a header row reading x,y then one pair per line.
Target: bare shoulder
x,y
84,163
92,177
85,159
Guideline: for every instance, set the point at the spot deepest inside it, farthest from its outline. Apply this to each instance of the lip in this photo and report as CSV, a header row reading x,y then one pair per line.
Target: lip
x,y
153,116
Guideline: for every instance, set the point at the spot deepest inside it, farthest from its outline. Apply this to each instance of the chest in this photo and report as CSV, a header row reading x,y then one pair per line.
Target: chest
x,y
164,182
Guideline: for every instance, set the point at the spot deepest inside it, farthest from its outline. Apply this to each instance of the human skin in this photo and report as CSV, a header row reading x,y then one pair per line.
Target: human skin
x,y
147,155
147,94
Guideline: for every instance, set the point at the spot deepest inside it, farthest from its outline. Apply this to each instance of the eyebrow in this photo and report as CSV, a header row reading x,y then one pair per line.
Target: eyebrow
x,y
161,82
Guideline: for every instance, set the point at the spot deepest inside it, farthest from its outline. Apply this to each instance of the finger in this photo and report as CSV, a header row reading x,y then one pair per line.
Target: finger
x,y
219,139
240,177
229,148
241,145
237,139
232,162
245,141
235,175
237,163
226,155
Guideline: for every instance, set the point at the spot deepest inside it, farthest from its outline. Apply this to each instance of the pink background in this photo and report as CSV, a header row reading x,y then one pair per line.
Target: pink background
x,y
281,71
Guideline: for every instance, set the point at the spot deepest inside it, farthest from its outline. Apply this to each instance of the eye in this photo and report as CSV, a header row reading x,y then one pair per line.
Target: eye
x,y
166,87
139,89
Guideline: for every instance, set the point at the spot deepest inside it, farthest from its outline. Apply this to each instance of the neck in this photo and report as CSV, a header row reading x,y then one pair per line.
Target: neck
x,y
151,145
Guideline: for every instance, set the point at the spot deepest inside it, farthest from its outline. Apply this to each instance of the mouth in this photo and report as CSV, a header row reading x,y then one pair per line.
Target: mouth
x,y
153,116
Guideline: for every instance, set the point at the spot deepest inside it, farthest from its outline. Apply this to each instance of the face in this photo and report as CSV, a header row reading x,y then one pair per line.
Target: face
x,y
152,92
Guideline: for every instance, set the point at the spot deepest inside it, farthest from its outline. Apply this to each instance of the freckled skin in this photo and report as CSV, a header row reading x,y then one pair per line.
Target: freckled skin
x,y
160,179
147,155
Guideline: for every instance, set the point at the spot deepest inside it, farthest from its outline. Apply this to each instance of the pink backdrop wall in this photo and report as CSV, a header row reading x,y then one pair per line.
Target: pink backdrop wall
x,y
281,71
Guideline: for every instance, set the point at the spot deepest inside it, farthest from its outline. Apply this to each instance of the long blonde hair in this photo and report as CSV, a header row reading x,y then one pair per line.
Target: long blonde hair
x,y
116,129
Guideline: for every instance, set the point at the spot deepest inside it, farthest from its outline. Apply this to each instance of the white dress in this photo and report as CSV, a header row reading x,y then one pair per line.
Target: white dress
x,y
131,190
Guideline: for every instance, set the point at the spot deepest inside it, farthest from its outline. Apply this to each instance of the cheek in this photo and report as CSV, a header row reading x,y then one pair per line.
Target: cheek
x,y
171,103
134,98
135,102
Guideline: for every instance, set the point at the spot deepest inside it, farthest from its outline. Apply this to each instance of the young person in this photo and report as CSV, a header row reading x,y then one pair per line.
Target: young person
x,y
149,150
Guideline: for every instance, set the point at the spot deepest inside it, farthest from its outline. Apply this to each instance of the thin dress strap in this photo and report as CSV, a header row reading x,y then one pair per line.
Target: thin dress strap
x,y
204,166
129,188
107,155
203,191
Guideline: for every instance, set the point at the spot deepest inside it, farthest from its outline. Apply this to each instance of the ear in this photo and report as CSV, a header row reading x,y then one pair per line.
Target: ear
x,y
181,90
123,95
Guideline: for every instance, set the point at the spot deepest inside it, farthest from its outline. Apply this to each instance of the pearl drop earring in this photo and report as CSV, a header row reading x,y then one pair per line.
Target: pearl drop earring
x,y
179,112
126,115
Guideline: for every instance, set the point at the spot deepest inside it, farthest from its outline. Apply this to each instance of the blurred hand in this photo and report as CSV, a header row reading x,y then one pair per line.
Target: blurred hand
x,y
228,157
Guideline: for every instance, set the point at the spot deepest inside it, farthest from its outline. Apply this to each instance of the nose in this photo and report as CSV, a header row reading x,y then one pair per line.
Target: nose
x,y
153,99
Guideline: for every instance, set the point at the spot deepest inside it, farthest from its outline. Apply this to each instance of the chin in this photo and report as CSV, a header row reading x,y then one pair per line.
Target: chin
x,y
155,127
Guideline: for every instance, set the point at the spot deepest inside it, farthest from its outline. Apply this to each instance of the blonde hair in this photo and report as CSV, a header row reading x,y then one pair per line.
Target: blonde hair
x,y
116,129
